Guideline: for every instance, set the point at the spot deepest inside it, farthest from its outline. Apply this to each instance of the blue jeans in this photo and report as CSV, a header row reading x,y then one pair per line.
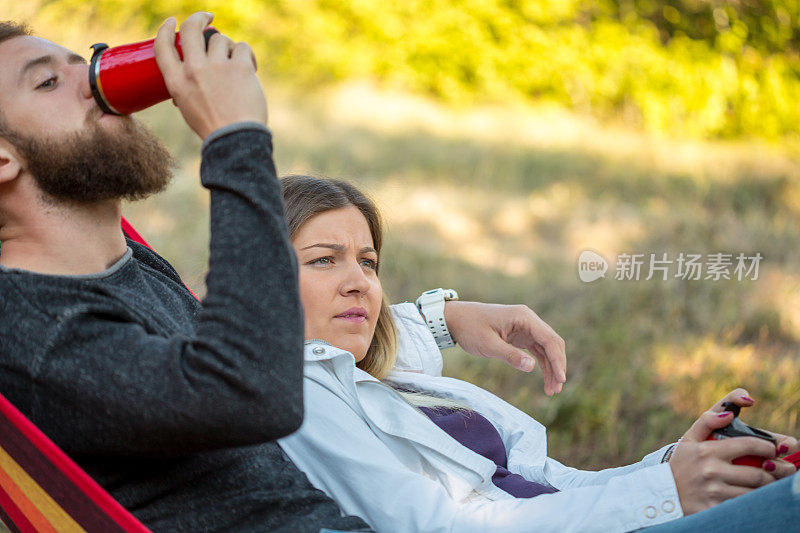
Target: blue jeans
x,y
774,507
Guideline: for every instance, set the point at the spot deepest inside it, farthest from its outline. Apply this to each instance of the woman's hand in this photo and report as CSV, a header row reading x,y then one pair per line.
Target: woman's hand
x,y
212,88
504,332
784,444
703,472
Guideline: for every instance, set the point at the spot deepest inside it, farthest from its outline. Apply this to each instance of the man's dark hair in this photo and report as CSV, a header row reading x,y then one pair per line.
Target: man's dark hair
x,y
8,30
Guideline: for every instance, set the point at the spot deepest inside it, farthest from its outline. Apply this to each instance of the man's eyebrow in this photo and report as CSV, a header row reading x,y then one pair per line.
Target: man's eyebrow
x,y
72,59
338,247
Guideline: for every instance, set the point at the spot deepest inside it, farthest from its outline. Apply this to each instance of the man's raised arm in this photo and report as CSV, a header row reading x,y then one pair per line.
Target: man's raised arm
x,y
180,381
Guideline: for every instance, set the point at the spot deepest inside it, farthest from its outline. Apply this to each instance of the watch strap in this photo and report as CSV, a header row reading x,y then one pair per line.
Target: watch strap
x,y
431,306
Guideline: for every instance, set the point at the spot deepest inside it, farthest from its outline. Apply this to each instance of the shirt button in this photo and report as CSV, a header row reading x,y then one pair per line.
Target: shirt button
x,y
318,350
668,506
650,511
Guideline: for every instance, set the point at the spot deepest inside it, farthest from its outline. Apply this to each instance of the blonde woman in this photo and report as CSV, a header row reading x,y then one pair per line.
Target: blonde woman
x,y
414,451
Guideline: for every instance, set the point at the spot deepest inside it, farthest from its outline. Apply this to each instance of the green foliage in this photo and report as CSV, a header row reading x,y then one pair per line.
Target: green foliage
x,y
769,26
704,68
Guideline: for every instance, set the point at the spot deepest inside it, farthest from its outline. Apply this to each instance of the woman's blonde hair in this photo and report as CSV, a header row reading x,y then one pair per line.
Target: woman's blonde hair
x,y
307,196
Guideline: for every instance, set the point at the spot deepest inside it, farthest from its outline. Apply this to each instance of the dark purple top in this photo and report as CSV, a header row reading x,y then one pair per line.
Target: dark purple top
x,y
475,432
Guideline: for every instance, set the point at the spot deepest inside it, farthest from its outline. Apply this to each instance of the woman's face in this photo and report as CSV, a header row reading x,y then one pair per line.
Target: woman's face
x,y
339,285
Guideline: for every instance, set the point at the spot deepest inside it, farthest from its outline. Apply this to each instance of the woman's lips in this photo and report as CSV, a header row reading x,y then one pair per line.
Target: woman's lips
x,y
354,314
353,318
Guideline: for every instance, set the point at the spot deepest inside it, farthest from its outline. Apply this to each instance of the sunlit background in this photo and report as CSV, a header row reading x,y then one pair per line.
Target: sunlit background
x,y
502,138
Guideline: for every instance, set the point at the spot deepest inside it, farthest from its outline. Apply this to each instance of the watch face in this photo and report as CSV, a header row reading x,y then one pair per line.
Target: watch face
x,y
450,294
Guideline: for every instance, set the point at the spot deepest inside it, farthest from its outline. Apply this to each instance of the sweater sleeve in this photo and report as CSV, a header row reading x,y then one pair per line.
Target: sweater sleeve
x,y
105,384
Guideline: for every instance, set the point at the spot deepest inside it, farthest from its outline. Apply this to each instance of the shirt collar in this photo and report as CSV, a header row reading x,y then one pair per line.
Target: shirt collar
x,y
320,350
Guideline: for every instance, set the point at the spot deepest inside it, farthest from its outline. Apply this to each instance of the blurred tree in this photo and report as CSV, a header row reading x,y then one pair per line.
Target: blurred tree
x,y
704,68
769,26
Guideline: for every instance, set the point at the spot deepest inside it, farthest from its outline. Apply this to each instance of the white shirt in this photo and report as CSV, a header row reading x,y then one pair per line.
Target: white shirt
x,y
382,459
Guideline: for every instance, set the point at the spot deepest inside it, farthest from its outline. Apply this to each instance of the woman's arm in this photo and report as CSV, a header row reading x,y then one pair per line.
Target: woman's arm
x,y
484,330
416,350
565,477
342,455
506,332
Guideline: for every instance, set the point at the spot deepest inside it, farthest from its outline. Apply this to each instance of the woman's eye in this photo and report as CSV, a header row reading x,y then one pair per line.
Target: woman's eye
x,y
321,261
370,263
49,83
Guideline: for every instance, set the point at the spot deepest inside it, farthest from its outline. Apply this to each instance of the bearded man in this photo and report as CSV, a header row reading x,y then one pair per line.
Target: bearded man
x,y
170,404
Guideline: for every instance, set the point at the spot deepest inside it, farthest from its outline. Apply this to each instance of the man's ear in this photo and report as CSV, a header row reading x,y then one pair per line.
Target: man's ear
x,y
10,162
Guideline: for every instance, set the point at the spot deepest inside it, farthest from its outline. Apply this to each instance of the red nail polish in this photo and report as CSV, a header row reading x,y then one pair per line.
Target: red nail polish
x,y
783,449
747,398
769,466
724,414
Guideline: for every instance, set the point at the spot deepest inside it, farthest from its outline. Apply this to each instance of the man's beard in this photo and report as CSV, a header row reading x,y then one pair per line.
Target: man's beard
x,y
97,164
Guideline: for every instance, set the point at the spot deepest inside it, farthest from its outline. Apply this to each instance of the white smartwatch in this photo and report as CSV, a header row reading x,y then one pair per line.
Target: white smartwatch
x,y
431,305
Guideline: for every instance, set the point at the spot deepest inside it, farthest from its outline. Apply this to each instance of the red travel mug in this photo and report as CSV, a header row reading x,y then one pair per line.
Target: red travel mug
x,y
126,78
737,428
746,460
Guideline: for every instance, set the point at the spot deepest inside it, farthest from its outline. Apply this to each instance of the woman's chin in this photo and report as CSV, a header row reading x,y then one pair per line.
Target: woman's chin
x,y
359,352
358,349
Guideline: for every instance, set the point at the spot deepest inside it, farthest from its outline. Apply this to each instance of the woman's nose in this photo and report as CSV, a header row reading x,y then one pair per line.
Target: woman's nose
x,y
355,280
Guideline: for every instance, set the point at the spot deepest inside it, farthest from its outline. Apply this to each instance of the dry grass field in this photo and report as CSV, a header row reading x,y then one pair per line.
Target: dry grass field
x,y
499,202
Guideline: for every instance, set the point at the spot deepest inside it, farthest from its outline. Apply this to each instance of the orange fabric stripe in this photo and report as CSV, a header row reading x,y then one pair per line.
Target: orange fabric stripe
x,y
12,516
26,506
43,512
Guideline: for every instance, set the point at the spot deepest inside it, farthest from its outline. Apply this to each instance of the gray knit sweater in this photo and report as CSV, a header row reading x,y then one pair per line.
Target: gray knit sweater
x,y
171,405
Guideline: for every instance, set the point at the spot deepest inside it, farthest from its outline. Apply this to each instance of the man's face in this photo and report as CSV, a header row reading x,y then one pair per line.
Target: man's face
x,y
44,88
74,151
